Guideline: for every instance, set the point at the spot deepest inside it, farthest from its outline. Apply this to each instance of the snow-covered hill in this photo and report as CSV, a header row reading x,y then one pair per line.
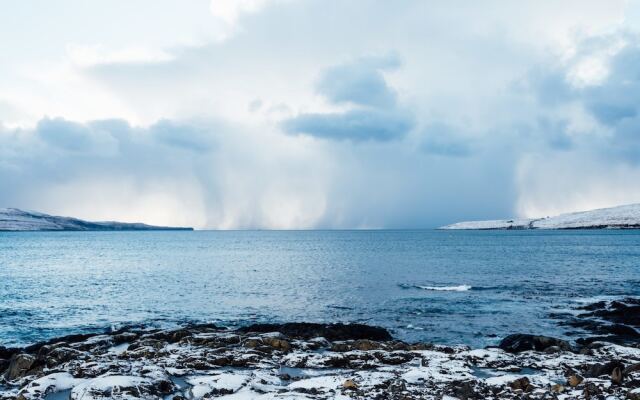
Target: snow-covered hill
x,y
12,219
621,217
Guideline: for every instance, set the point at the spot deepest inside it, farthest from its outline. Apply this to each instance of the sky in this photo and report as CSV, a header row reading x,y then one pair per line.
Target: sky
x,y
303,114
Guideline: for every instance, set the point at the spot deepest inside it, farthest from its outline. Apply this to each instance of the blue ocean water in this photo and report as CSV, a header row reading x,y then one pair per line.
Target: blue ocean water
x,y
492,283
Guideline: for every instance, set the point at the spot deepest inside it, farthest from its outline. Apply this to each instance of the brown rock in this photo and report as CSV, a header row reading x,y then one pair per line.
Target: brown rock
x,y
616,376
252,343
574,380
349,384
366,345
557,388
278,344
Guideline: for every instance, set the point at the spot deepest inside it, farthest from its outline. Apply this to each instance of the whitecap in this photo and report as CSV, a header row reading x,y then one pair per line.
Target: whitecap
x,y
460,288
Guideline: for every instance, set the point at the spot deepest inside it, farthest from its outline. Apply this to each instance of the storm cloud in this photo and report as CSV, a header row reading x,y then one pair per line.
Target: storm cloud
x,y
292,114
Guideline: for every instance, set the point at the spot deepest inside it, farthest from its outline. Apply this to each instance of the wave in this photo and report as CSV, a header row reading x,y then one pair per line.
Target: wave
x,y
459,288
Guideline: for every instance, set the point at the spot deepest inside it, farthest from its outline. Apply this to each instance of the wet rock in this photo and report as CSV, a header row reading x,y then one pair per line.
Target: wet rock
x,y
616,321
523,342
18,366
302,330
125,337
557,388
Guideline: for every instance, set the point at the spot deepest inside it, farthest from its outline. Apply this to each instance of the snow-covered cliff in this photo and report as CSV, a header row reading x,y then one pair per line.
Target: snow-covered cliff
x,y
621,217
12,219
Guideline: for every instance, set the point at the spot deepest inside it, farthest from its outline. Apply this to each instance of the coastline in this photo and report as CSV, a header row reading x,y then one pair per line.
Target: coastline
x,y
320,361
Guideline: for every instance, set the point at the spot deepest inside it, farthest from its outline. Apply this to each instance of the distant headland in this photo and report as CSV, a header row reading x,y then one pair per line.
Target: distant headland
x,y
620,217
13,219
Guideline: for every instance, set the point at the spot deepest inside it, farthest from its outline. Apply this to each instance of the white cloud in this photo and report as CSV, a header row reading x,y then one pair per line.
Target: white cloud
x,y
473,132
230,10
90,55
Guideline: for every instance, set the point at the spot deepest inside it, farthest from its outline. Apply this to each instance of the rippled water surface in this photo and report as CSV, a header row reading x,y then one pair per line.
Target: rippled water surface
x,y
467,287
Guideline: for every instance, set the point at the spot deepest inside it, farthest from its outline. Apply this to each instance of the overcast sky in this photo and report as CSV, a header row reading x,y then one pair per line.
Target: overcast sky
x,y
318,114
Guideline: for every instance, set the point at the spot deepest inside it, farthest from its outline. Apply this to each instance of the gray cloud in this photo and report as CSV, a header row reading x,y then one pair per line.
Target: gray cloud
x,y
360,82
614,101
441,139
65,134
375,114
356,125
183,136
383,161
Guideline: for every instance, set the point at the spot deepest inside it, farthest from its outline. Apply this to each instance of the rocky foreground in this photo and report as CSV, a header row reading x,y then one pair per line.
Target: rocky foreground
x,y
312,361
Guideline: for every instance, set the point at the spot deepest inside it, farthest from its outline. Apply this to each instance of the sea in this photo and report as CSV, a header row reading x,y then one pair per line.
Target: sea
x,y
449,287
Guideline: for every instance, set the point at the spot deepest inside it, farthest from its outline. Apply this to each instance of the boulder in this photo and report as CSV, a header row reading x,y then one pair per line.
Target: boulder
x,y
616,376
596,370
521,384
520,342
574,380
349,384
18,366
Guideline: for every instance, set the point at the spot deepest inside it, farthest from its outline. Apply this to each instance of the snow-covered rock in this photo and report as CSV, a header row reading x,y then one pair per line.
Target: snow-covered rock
x,y
13,219
621,217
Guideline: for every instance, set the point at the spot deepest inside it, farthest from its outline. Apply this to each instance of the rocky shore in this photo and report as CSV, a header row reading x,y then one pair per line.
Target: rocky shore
x,y
321,361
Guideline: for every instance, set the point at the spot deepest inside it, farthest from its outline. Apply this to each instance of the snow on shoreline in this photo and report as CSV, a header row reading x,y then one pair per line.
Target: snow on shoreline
x,y
201,362
621,217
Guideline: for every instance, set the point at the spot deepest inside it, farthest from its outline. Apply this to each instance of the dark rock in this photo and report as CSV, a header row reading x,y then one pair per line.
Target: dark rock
x,y
521,384
597,370
125,337
303,330
393,358
60,355
591,390
631,368
522,342
6,353
465,391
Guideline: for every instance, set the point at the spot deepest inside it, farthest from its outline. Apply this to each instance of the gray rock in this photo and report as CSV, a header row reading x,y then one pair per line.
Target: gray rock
x,y
18,366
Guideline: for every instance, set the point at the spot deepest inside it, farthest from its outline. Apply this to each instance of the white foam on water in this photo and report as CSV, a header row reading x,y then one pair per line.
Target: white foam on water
x,y
460,288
